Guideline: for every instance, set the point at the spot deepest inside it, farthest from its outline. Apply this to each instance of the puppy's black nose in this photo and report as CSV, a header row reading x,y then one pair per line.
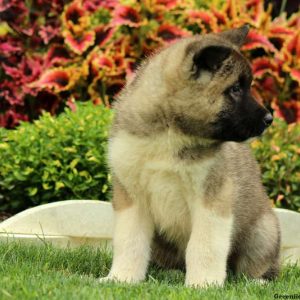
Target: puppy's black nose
x,y
268,119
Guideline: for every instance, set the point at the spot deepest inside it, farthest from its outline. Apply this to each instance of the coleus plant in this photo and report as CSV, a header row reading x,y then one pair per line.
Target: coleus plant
x,y
55,52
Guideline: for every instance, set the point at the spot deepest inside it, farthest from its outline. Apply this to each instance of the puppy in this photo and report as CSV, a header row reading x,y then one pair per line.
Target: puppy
x,y
186,189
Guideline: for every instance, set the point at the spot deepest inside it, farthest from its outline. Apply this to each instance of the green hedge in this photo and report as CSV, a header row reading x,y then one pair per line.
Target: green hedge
x,y
65,158
55,159
278,152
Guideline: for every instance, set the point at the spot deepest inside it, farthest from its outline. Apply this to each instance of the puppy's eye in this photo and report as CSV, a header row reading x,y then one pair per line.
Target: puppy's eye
x,y
235,89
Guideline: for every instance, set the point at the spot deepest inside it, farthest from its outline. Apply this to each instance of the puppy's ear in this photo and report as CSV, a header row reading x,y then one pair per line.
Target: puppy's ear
x,y
210,59
236,36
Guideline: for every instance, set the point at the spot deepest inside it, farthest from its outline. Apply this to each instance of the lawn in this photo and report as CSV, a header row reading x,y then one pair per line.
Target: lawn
x,y
32,272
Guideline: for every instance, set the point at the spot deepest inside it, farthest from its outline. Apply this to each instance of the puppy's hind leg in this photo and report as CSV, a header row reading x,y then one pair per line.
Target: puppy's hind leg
x,y
132,239
258,257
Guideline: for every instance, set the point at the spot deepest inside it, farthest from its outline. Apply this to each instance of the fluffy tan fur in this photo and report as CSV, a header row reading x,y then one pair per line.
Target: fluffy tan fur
x,y
183,200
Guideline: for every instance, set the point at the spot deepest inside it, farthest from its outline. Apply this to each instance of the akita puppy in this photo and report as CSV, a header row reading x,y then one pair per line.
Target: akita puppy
x,y
186,189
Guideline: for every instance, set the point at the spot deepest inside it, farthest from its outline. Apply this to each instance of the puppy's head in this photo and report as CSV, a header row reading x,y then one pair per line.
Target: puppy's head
x,y
208,82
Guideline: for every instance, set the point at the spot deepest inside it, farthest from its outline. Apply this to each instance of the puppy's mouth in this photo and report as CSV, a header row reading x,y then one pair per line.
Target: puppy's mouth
x,y
262,125
238,132
259,131
255,131
244,134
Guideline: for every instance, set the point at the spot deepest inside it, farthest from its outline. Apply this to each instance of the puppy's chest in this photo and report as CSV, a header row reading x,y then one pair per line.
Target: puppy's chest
x,y
152,173
173,188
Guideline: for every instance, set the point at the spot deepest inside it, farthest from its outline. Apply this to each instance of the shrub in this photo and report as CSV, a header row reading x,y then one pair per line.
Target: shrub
x,y
55,159
65,158
57,52
278,154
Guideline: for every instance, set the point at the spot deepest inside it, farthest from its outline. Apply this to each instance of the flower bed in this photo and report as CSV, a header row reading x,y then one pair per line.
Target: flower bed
x,y
56,52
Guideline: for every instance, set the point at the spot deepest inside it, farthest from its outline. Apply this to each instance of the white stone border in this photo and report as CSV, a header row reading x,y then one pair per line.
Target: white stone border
x,y
64,223
77,222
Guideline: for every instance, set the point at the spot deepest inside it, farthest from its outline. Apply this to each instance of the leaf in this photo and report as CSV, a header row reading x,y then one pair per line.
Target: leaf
x,y
32,191
46,186
4,146
70,149
57,163
93,158
104,188
74,163
84,174
28,171
59,185
295,74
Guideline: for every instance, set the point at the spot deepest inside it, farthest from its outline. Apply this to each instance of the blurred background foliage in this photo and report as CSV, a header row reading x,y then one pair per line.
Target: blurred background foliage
x,y
64,157
57,54
55,158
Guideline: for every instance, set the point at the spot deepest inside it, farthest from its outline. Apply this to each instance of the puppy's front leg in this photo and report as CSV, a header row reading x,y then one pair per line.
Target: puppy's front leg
x,y
132,239
208,247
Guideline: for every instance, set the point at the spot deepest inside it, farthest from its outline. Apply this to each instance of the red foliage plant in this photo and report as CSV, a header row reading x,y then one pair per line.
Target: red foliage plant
x,y
56,52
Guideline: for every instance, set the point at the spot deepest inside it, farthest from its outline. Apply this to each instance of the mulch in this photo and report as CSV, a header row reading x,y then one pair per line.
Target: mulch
x,y
4,216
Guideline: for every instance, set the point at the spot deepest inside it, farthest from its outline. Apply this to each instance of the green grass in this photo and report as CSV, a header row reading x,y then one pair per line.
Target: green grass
x,y
31,272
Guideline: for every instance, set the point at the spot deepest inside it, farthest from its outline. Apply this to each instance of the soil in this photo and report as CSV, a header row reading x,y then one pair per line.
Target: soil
x,y
4,216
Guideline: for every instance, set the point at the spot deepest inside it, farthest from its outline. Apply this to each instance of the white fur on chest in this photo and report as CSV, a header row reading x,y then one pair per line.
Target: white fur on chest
x,y
151,173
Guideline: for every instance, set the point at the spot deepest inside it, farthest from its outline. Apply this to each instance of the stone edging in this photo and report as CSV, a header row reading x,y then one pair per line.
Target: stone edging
x,y
77,222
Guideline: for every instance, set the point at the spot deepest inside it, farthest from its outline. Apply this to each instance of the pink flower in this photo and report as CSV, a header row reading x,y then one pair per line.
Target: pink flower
x,y
75,18
290,110
202,16
103,35
169,4
12,11
26,71
255,9
256,40
71,104
93,5
170,33
112,87
11,118
47,101
30,69
105,62
126,15
119,61
47,33
10,45
269,84
74,12
98,61
205,19
131,68
295,74
57,54
294,21
9,92
5,5
58,79
293,45
220,16
263,66
79,44
53,7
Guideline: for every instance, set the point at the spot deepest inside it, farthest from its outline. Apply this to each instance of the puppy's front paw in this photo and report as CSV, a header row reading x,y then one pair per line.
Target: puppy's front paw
x,y
106,279
201,281
204,284
121,278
